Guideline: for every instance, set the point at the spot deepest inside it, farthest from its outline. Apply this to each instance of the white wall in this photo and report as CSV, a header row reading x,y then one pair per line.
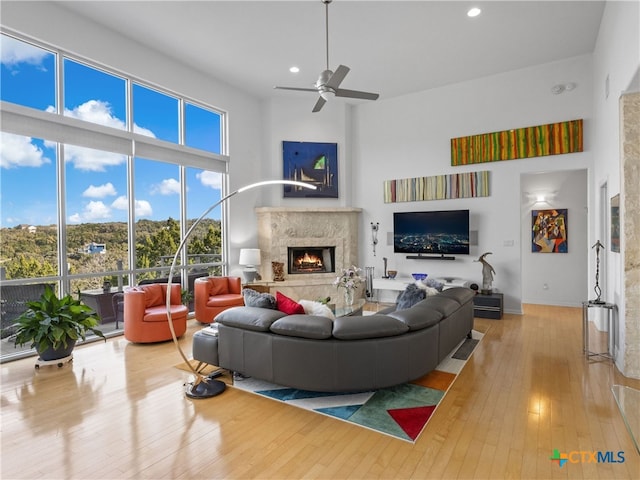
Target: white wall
x,y
616,57
410,137
556,278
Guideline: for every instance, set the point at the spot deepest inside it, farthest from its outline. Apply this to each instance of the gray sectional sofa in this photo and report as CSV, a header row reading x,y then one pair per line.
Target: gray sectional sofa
x,y
353,353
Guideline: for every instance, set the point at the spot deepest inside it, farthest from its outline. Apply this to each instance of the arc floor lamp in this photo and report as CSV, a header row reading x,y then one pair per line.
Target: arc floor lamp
x,y
205,387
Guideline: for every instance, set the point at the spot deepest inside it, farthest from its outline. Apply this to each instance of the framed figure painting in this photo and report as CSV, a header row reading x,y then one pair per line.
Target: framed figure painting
x,y
549,231
310,162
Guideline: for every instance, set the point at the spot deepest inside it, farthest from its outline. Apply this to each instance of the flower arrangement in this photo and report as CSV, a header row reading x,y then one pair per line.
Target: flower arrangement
x,y
349,279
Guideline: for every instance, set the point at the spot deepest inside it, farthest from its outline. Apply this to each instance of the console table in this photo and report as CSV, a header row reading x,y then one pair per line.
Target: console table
x,y
609,308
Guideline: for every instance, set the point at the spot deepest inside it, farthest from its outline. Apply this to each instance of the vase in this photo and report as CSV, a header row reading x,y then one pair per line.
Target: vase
x,y
348,296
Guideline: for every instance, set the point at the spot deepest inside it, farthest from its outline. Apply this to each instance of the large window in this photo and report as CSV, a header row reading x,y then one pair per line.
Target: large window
x,y
102,187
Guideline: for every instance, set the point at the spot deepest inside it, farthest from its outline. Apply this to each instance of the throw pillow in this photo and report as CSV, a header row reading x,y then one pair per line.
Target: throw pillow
x,y
256,299
317,308
288,305
429,283
410,296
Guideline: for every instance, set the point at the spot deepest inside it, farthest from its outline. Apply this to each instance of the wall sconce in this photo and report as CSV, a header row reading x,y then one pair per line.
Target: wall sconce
x,y
249,258
374,236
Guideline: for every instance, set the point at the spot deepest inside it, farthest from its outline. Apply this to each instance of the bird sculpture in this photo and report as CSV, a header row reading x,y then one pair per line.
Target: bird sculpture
x,y
487,273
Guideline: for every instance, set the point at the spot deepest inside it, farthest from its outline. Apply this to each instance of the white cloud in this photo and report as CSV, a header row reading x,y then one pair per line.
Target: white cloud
x,y
142,207
13,52
120,203
100,191
169,186
210,179
94,210
18,151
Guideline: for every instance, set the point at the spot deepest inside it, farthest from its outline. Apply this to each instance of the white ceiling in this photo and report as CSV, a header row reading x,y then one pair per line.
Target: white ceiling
x,y
392,47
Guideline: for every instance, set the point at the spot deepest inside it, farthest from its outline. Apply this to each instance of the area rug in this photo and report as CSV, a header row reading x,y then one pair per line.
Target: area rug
x,y
401,411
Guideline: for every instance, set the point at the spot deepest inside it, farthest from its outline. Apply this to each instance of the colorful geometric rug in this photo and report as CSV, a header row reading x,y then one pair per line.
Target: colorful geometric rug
x,y
401,411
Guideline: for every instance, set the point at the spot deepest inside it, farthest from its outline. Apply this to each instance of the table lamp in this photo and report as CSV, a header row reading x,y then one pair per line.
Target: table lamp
x,y
250,259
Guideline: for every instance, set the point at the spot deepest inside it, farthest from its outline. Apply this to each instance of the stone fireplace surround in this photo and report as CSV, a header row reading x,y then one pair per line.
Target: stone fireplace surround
x,y
283,227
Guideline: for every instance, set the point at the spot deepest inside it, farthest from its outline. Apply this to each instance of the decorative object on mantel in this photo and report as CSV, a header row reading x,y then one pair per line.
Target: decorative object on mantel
x,y
278,271
374,236
313,163
437,187
528,142
487,274
597,288
385,275
549,231
349,279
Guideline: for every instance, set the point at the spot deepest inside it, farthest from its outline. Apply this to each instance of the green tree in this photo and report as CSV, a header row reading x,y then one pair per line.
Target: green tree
x,y
26,266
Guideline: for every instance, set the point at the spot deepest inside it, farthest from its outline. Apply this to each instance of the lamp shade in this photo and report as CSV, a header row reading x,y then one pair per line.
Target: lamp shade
x,y
249,256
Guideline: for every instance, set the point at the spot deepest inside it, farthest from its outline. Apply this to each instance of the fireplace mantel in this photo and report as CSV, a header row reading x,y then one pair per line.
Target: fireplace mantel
x,y
282,227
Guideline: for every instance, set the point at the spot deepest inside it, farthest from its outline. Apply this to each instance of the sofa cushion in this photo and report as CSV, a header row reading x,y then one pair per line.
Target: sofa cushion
x,y
460,294
303,326
256,299
446,306
417,318
288,305
316,308
372,326
249,318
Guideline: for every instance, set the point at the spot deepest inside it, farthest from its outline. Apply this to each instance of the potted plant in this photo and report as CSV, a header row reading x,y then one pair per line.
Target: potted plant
x,y
53,325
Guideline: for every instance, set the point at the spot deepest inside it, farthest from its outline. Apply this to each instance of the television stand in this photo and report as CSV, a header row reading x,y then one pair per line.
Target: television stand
x,y
429,257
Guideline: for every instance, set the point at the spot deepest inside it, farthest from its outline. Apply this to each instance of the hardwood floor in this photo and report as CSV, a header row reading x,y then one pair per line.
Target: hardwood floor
x,y
118,411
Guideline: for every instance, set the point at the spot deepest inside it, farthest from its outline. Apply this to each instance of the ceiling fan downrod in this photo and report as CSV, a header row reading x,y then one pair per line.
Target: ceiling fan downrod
x,y
326,29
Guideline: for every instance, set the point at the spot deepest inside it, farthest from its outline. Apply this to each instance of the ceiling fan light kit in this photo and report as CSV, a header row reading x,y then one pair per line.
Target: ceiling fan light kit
x,y
328,83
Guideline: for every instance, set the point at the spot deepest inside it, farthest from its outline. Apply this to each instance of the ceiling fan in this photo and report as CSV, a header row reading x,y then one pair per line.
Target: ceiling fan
x,y
328,83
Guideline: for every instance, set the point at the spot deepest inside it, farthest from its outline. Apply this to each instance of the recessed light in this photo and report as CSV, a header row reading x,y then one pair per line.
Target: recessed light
x,y
474,12
294,69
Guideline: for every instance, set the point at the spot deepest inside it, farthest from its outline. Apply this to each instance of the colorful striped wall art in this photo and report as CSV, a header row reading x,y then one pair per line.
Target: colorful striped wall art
x,y
550,139
438,187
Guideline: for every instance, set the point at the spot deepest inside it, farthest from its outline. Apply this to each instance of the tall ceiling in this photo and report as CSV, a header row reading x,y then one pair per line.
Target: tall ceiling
x,y
392,47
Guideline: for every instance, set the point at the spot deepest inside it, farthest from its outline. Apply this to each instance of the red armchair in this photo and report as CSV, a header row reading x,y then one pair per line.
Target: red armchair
x,y
145,313
213,295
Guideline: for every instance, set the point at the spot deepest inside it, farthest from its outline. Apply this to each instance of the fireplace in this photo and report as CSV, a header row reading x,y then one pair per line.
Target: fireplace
x,y
305,260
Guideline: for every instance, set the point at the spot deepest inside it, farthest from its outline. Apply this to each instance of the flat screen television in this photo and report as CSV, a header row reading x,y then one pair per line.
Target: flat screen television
x,y
435,232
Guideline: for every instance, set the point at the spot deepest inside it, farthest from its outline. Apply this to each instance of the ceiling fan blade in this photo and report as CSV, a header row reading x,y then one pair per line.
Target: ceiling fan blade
x,y
341,92
319,104
338,76
297,89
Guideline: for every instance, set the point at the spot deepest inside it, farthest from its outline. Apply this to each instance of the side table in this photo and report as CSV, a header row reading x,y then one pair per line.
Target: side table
x,y
610,308
100,301
488,306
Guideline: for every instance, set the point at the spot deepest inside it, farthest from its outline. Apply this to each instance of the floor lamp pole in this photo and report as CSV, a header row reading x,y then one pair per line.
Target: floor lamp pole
x,y
205,387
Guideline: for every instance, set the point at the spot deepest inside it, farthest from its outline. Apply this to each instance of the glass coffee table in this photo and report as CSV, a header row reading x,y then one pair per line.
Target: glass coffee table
x,y
343,310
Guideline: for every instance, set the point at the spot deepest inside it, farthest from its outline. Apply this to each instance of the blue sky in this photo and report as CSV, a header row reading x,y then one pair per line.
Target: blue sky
x,y
96,181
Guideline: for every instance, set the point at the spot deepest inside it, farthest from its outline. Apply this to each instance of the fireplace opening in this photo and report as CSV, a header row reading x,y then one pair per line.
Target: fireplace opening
x,y
311,260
